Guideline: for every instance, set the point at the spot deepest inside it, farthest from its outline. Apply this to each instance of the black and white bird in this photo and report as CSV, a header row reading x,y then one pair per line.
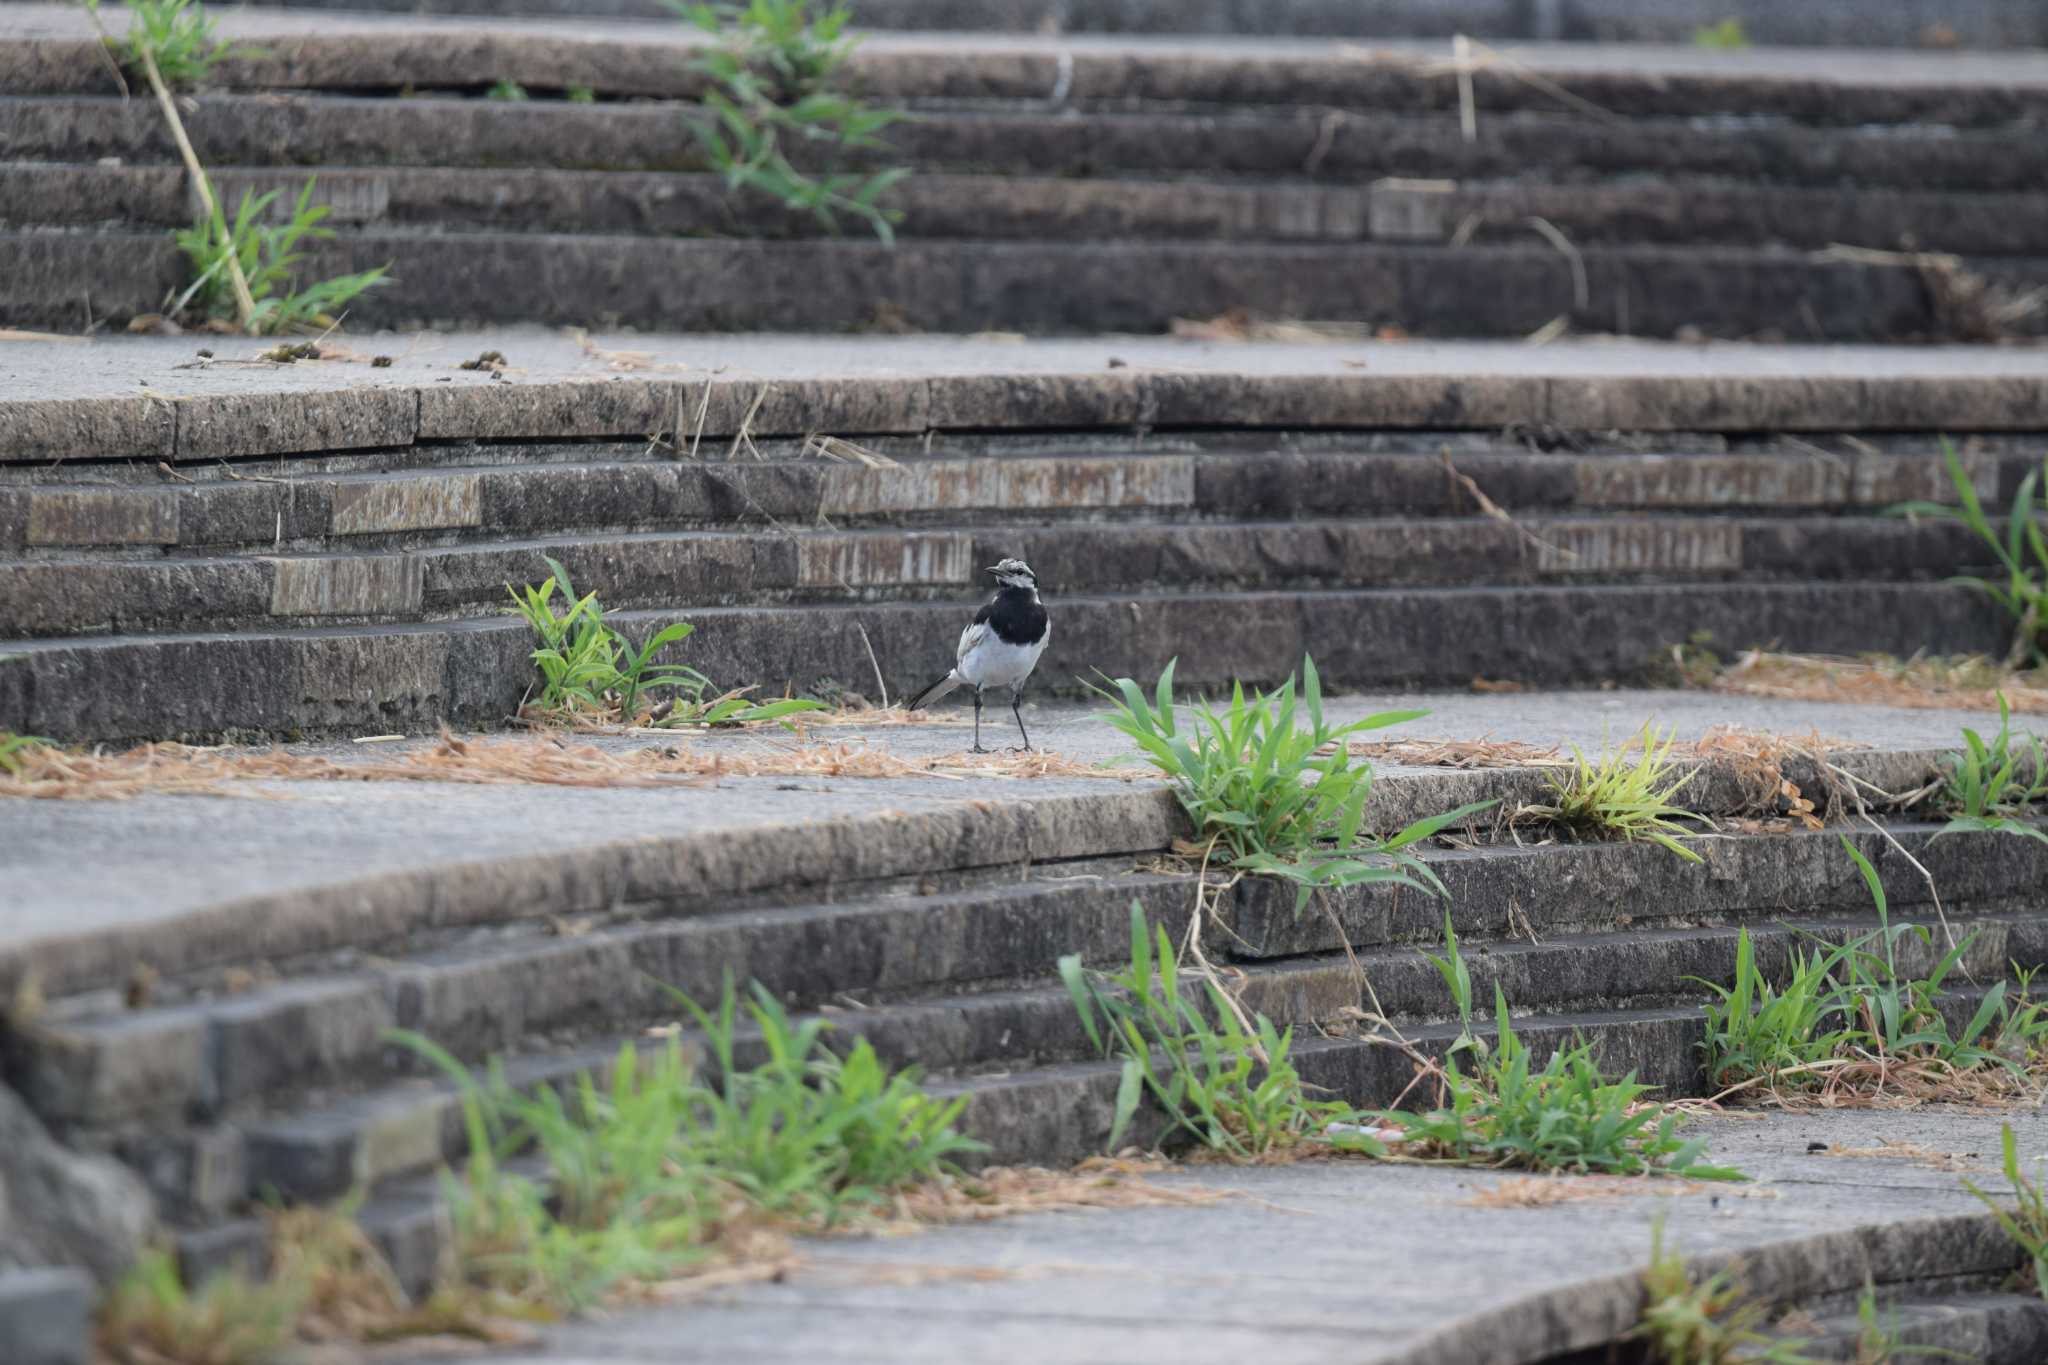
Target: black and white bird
x,y
1000,646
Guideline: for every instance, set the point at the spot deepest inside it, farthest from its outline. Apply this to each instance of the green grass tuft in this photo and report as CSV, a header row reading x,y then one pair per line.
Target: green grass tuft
x,y
1273,798
1708,1322
588,668
1616,797
2018,547
269,256
1989,785
772,75
650,1168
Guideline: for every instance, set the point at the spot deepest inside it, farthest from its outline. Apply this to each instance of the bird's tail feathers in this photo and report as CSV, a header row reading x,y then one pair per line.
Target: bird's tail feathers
x,y
934,692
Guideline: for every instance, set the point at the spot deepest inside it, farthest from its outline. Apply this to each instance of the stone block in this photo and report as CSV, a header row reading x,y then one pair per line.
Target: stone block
x,y
225,425
194,1172
37,430
593,407
414,504
1661,481
369,585
854,562
1062,484
46,1316
1630,548
1411,210
151,1064
102,516
289,1037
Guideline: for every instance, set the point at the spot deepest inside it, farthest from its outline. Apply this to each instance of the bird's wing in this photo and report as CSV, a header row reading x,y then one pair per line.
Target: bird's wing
x,y
977,631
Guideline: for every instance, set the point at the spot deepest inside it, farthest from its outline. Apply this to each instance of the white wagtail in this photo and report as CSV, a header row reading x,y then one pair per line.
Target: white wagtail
x,y
1000,646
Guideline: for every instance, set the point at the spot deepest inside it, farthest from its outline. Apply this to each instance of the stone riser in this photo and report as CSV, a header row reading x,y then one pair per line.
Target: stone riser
x,y
654,63
69,596
1838,25
997,207
1041,288
414,678
1312,144
436,495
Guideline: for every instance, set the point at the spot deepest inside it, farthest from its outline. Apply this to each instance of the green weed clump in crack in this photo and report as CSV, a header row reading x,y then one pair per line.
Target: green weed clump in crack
x,y
1564,1116
2026,1222
1849,1021
243,270
591,672
1272,798
771,74
1202,1068
508,90
1989,785
2018,547
655,1169
1616,797
1705,1322
268,256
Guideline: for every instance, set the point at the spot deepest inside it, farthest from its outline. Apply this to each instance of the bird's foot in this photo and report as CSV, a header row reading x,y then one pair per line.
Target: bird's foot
x,y
977,749
1022,749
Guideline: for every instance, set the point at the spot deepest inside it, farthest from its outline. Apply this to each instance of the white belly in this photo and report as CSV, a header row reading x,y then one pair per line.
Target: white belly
x,y
991,662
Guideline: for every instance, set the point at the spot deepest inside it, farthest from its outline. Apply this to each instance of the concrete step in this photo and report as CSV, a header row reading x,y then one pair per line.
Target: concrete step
x,y
655,203
1306,145
207,1051
1871,23
73,595
357,679
1053,287
1990,1327
273,1078
55,53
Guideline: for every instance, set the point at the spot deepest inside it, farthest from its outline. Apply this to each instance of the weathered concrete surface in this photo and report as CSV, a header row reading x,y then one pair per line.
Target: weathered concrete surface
x,y
81,400
368,51
184,881
46,1316
1339,1260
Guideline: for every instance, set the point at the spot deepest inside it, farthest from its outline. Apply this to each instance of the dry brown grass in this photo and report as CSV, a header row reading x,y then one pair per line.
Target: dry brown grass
x,y
1000,1191
1542,1192
1972,683
1908,1151
1866,1080
50,773
1484,752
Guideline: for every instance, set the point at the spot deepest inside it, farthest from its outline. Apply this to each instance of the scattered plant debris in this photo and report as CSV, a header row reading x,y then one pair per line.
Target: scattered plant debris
x,y
488,360
1921,682
52,773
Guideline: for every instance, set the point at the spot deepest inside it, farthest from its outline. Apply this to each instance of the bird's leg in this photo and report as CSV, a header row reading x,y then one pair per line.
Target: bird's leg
x,y
1016,697
977,723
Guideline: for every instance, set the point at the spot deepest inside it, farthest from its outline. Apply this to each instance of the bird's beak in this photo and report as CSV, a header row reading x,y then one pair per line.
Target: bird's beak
x,y
991,568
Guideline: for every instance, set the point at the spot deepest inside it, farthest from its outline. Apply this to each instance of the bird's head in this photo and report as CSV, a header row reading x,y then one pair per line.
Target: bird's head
x,y
1013,573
